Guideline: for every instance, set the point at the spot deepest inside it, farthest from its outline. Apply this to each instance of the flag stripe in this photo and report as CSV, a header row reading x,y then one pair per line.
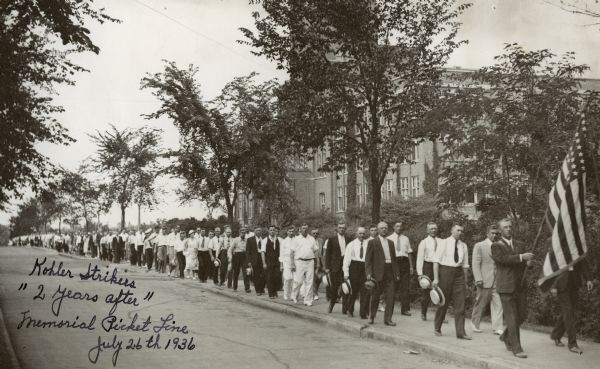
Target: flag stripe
x,y
572,216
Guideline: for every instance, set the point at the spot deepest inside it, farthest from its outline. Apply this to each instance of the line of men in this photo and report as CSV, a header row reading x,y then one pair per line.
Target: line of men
x,y
374,270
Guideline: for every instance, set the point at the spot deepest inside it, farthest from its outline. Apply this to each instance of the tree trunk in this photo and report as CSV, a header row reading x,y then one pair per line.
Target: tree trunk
x,y
122,217
375,191
230,212
139,217
59,222
98,223
351,183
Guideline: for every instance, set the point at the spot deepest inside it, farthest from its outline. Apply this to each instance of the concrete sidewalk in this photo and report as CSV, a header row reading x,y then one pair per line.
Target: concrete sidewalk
x,y
484,351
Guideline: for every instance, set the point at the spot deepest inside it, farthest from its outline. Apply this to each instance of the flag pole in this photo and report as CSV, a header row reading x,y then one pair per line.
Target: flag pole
x,y
537,238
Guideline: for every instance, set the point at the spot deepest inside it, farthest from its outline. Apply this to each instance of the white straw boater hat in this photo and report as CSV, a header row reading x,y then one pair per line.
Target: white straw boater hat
x,y
326,280
371,284
217,262
424,282
346,288
437,296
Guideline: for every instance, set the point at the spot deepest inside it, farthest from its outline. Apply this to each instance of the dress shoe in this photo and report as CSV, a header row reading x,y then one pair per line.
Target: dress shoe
x,y
294,300
437,333
272,297
371,321
475,329
424,317
390,323
576,350
558,343
521,355
406,313
465,337
316,298
350,314
363,317
330,308
498,332
259,294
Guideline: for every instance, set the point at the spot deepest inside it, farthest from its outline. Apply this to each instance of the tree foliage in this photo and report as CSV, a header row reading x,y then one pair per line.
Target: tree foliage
x,y
362,75
129,158
507,128
227,145
37,39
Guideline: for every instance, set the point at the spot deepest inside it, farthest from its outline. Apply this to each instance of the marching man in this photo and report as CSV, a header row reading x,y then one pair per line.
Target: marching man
x,y
286,263
303,257
354,271
425,259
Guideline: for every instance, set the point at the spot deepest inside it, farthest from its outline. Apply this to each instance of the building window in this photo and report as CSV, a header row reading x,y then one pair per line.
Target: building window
x,y
366,192
404,187
415,154
415,186
389,189
359,194
322,200
340,198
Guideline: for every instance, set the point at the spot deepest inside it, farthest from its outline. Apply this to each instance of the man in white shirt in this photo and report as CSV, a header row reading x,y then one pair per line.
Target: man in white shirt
x,y
179,249
162,240
484,273
405,265
425,258
131,247
139,245
171,253
148,248
450,272
286,263
303,257
354,271
221,251
319,264
237,254
204,260
215,246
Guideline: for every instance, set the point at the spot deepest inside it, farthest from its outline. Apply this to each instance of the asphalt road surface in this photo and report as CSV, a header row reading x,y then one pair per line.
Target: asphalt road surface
x,y
226,333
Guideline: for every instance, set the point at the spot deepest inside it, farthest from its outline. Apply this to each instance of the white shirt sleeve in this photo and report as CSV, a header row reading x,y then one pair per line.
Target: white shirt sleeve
x,y
348,259
421,257
465,260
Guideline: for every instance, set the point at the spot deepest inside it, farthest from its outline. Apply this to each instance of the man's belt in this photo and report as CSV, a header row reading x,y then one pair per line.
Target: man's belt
x,y
306,259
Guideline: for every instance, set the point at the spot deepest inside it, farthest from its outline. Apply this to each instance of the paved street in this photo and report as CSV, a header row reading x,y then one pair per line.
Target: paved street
x,y
227,333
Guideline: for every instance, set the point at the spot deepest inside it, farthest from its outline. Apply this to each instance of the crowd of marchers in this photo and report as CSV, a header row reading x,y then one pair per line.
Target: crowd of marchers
x,y
373,267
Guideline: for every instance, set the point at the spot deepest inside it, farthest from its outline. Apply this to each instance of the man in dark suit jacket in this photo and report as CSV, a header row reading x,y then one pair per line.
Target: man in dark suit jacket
x,y
566,289
272,260
334,258
511,261
381,266
255,261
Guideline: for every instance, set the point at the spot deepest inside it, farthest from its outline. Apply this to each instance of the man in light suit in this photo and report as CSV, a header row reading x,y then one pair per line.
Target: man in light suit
x,y
484,272
511,261
381,266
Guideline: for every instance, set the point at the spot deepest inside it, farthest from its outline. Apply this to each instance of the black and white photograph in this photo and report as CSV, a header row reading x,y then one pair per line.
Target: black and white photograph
x,y
300,184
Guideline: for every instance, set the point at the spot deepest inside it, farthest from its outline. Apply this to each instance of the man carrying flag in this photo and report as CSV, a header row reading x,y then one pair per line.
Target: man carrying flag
x,y
564,265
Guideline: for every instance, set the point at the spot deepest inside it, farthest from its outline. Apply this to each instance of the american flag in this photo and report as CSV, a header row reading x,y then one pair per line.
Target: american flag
x,y
566,212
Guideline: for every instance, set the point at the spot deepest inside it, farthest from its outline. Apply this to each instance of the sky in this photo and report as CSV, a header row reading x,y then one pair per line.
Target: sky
x,y
205,33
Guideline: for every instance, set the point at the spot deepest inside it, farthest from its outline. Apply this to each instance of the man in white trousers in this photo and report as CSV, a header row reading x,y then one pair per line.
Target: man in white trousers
x,y
303,256
286,263
484,273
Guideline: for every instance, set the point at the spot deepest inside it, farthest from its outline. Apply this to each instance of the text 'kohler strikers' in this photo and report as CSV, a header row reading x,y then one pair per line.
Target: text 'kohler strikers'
x,y
74,301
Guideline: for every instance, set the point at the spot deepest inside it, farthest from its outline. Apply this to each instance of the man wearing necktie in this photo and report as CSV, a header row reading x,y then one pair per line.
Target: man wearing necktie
x,y
237,254
354,271
511,261
204,261
405,265
425,259
450,272
254,260
223,246
271,247
335,248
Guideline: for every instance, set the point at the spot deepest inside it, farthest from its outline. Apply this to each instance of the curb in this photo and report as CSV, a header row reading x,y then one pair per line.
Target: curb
x,y
12,356
366,331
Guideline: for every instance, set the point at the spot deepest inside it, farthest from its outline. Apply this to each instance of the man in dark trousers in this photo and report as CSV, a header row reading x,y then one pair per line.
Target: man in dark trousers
x,y
335,248
566,289
272,270
381,266
354,272
511,261
450,272
254,259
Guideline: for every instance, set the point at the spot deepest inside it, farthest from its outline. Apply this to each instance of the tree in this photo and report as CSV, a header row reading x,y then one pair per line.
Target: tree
x,y
127,156
32,64
509,127
83,195
586,8
27,220
362,74
226,144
